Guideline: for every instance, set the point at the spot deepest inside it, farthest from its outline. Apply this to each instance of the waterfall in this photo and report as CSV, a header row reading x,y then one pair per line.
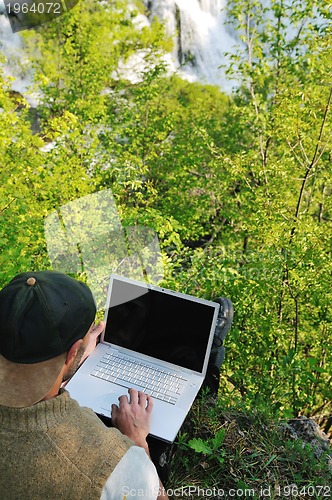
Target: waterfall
x,y
200,35
197,27
17,64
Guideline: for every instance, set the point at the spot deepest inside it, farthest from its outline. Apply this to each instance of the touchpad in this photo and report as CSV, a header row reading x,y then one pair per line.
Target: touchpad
x,y
112,398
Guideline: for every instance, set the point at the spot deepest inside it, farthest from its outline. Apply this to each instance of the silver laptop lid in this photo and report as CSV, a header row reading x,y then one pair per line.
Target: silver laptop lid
x,y
161,323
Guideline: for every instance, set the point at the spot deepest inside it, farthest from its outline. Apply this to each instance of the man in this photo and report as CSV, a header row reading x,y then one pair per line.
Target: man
x,y
50,447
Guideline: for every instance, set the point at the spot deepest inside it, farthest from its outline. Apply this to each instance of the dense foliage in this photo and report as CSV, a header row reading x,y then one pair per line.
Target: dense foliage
x,y
238,188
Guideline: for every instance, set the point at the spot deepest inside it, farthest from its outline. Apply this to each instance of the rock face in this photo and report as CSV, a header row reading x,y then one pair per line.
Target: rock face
x,y
308,431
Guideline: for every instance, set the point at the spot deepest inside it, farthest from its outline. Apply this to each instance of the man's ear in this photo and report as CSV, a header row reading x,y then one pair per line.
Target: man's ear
x,y
73,351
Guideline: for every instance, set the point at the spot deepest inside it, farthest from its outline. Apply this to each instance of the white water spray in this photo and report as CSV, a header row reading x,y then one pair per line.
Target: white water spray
x,y
200,36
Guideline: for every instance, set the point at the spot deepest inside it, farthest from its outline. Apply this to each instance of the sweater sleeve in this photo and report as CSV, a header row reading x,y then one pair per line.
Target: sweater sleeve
x,y
134,477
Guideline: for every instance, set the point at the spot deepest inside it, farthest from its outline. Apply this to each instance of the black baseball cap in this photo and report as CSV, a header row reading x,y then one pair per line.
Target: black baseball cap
x,y
42,314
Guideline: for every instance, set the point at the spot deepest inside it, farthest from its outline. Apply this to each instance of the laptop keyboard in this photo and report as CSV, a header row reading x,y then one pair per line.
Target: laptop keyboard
x,y
127,372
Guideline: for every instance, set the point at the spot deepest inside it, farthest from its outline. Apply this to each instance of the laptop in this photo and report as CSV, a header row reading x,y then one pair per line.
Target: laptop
x,y
155,340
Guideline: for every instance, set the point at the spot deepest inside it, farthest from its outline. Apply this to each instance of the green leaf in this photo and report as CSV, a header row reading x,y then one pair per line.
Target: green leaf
x,y
218,439
200,446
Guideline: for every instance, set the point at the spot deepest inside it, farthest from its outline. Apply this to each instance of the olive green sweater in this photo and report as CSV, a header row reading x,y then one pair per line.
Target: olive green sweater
x,y
56,450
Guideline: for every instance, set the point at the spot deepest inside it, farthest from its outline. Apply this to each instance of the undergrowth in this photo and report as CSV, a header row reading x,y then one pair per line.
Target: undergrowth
x,y
228,451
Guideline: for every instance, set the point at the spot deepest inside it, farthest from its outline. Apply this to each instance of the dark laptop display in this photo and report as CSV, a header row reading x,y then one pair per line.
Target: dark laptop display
x,y
141,319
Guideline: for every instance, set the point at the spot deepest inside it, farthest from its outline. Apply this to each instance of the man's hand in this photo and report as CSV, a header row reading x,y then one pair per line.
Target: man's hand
x,y
132,417
84,350
92,338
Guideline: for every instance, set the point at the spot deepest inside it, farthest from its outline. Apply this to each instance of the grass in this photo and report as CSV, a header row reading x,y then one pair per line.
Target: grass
x,y
228,451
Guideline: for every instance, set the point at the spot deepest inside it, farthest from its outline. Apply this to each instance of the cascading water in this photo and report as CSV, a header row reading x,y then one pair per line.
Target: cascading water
x,y
12,48
198,29
200,36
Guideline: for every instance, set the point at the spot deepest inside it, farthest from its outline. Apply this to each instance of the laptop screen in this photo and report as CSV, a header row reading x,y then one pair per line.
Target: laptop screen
x,y
158,323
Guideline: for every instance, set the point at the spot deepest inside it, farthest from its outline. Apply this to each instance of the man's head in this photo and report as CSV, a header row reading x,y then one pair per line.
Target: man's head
x,y
42,314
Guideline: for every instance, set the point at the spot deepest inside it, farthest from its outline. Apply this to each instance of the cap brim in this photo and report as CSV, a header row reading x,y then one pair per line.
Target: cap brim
x,y
23,385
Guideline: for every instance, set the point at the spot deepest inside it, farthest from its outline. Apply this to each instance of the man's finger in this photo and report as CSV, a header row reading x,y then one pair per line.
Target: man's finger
x,y
114,412
133,393
149,404
142,397
123,400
